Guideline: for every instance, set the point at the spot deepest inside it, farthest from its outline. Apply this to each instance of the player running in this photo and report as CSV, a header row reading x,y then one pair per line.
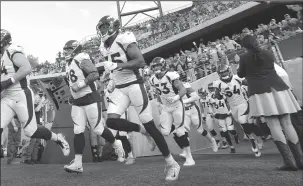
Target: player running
x,y
17,96
123,60
81,74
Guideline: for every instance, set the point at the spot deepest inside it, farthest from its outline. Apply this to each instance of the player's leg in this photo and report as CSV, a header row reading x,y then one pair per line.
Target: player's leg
x,y
7,113
94,145
93,113
24,109
242,117
224,132
210,123
79,119
187,123
139,99
231,128
196,120
118,104
292,139
182,134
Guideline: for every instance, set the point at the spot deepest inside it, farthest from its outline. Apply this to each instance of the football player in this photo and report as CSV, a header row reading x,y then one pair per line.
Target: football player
x,y
17,96
223,116
81,74
208,115
193,116
124,59
230,86
171,90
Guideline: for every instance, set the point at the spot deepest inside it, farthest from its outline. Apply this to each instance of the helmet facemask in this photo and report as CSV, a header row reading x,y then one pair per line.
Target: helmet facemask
x,y
157,68
71,49
225,75
107,28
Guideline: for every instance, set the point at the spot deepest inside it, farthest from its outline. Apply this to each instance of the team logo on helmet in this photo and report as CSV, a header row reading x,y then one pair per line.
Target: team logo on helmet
x,y
107,27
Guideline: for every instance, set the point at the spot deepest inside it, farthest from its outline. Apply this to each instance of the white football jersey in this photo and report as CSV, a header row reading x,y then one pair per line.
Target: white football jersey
x,y
75,74
9,69
118,53
232,90
206,105
187,95
219,106
165,87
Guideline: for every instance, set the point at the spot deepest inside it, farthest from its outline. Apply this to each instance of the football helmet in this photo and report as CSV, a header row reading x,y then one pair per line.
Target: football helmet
x,y
203,93
107,27
71,49
225,73
211,87
158,65
6,39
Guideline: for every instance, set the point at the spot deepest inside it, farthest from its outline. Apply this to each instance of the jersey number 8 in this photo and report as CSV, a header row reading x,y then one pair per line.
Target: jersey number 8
x,y
71,76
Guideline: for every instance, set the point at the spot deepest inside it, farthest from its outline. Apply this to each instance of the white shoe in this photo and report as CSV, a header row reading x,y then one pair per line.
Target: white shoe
x,y
61,141
214,145
189,162
172,172
130,161
120,159
258,153
119,150
224,145
74,167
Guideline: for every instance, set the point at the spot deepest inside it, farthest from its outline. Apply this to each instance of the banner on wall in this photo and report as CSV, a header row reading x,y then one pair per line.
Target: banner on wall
x,y
56,90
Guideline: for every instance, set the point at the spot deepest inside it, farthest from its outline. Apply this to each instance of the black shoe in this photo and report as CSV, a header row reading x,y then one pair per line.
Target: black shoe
x,y
232,150
29,162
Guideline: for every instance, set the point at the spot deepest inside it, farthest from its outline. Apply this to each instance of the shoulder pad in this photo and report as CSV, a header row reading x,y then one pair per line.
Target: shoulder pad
x,y
82,56
187,85
15,48
126,38
237,77
173,75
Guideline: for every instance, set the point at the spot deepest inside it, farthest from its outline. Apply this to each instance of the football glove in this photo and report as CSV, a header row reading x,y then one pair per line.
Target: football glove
x,y
109,66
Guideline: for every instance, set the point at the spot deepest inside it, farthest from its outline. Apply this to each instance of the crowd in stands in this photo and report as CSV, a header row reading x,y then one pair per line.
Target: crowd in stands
x,y
203,58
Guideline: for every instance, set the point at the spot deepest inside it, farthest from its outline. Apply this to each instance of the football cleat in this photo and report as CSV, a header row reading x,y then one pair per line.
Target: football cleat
x,y
214,145
172,172
189,162
129,161
61,141
74,167
224,145
119,150
232,150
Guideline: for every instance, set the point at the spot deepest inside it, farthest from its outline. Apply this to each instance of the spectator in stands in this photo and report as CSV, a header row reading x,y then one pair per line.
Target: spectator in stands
x,y
213,54
290,24
231,45
274,27
14,138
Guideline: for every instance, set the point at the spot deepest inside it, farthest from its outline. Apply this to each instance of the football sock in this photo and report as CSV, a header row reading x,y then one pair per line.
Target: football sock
x,y
159,139
79,143
122,125
170,160
42,133
108,135
78,158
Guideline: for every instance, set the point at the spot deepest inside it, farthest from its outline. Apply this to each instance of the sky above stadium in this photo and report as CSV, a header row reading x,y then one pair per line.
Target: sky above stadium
x,y
42,28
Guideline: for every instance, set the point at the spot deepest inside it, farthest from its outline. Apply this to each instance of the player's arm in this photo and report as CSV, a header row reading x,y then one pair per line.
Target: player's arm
x,y
24,68
193,96
137,61
181,89
89,68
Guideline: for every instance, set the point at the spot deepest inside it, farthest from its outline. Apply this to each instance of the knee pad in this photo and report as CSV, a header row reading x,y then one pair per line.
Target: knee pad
x,y
213,132
204,133
99,129
248,129
112,123
177,140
